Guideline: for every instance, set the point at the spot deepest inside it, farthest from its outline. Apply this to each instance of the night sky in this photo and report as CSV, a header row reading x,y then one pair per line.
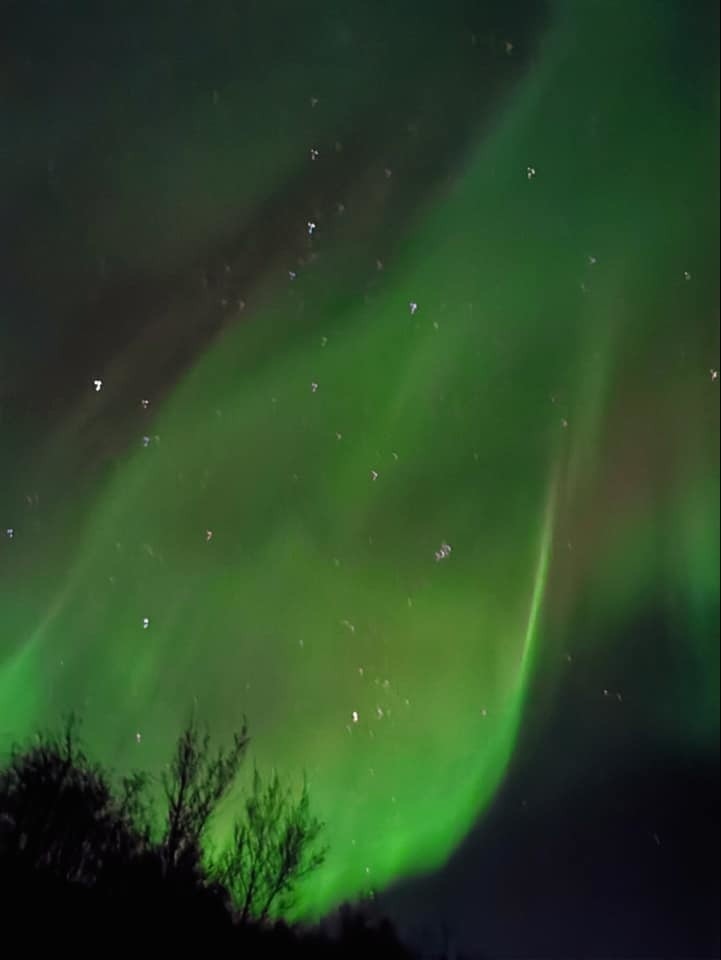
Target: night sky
x,y
358,374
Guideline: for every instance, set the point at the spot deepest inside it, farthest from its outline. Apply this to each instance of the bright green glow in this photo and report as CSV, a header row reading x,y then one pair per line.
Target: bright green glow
x,y
318,596
540,580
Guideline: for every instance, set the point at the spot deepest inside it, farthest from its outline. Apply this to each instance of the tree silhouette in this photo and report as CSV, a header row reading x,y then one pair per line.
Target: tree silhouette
x,y
58,813
274,847
197,781
78,846
359,937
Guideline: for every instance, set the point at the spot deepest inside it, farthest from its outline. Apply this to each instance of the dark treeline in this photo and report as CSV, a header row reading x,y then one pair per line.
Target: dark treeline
x,y
92,861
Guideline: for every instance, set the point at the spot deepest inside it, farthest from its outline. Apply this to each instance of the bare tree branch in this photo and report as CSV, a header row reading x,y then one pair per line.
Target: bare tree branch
x,y
274,847
195,784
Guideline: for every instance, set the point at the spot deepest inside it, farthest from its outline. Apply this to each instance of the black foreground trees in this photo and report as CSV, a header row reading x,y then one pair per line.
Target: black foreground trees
x,y
81,851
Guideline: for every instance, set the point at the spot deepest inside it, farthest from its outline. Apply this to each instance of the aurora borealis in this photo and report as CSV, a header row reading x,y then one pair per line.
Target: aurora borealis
x,y
452,280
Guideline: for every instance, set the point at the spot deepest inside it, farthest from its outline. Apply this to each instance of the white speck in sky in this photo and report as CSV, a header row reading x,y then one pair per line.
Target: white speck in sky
x,y
443,552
